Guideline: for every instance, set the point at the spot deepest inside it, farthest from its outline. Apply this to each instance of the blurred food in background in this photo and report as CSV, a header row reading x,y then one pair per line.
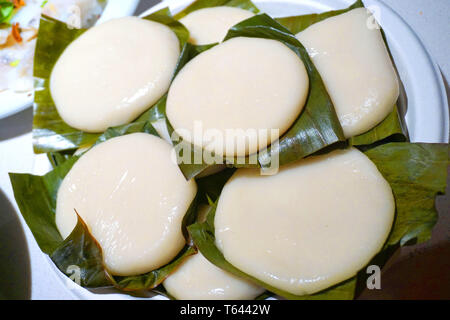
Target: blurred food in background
x,y
19,23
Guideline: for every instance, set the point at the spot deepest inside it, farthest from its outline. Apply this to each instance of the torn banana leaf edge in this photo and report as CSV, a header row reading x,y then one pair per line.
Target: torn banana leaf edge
x,y
50,132
392,128
416,172
202,4
36,197
316,127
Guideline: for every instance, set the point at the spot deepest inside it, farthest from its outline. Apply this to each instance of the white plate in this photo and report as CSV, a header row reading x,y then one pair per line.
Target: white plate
x,y
12,102
427,117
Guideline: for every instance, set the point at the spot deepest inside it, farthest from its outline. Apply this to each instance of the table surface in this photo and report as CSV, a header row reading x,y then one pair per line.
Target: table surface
x,y
413,272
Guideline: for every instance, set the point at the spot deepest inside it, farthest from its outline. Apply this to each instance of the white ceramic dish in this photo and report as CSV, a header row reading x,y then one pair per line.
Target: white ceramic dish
x,y
12,102
427,117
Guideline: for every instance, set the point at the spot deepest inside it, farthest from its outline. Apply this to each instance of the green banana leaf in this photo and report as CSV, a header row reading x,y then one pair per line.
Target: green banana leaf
x,y
50,132
154,278
417,174
164,16
317,126
36,197
210,187
201,4
81,250
57,158
142,124
6,11
392,126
